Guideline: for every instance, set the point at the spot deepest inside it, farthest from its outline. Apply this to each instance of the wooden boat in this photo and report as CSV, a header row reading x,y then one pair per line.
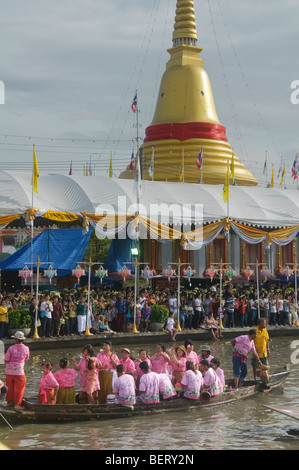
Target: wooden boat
x,y
292,412
34,412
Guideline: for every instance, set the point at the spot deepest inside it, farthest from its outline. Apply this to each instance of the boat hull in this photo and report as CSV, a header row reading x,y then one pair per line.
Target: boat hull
x,y
34,412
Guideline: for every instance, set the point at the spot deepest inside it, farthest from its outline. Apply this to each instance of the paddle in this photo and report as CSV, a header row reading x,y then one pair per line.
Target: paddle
x,y
6,421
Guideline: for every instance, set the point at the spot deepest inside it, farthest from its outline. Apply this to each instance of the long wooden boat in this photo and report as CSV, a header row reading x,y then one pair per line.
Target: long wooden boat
x,y
34,412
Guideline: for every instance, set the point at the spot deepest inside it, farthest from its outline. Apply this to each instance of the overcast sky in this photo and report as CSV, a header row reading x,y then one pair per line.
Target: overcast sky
x,y
71,68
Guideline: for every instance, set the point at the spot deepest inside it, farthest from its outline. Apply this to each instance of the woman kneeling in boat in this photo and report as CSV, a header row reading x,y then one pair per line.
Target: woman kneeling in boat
x,y
124,387
149,385
48,386
66,379
192,382
211,381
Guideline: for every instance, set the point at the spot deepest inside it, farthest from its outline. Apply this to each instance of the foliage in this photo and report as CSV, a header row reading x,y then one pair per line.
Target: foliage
x,y
19,319
159,314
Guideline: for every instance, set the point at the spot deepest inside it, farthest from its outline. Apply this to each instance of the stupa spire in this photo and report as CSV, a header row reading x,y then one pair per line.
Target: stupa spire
x,y
185,119
185,26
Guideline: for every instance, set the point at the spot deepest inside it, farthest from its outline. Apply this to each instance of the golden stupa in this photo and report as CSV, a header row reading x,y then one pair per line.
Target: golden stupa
x,y
185,119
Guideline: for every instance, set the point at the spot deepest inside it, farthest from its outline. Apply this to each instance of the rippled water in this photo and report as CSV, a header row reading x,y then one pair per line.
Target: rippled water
x,y
241,425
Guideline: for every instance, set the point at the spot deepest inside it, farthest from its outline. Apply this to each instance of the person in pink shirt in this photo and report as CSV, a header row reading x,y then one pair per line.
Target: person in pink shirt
x,y
15,359
149,385
127,361
160,360
178,363
142,356
48,386
66,379
215,363
109,361
210,379
242,345
124,387
190,353
205,354
192,382
81,367
166,389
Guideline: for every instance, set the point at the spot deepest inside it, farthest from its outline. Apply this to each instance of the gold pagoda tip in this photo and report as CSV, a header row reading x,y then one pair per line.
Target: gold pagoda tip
x,y
185,26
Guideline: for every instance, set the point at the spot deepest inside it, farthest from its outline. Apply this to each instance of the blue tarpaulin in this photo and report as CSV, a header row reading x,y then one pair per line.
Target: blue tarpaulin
x,y
62,248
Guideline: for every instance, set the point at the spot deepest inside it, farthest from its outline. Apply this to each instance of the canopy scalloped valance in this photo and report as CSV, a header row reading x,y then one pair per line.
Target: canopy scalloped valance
x,y
121,226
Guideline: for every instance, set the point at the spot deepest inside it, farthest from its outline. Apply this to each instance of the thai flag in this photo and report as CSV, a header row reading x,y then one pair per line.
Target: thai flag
x,y
199,159
132,163
134,104
295,168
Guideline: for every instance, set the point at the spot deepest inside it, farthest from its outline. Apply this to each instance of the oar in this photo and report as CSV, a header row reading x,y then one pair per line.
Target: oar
x,y
5,420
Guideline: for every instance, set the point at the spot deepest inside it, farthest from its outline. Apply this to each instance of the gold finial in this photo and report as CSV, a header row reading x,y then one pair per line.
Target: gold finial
x,y
185,25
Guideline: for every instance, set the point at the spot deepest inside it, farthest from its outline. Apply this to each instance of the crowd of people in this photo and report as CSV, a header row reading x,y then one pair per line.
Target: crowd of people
x,y
66,312
126,380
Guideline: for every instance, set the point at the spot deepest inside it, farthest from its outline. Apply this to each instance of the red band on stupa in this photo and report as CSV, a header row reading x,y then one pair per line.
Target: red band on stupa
x,y
186,131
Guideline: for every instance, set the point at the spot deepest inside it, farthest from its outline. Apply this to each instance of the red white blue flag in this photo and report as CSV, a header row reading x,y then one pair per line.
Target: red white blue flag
x,y
295,168
199,159
132,163
134,104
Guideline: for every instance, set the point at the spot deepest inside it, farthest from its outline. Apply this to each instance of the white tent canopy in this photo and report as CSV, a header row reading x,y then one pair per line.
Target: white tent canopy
x,y
258,206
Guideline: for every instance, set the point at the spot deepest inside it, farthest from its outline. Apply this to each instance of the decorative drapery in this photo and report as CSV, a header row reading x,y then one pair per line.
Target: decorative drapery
x,y
110,226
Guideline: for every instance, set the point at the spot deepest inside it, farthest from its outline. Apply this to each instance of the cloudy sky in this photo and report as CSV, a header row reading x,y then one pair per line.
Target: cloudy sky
x,y
71,68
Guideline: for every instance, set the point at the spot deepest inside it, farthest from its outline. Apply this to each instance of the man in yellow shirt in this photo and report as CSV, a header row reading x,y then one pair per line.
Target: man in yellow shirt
x,y
262,347
3,317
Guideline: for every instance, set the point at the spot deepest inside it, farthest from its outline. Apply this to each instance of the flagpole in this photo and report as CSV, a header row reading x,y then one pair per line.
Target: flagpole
x,y
31,221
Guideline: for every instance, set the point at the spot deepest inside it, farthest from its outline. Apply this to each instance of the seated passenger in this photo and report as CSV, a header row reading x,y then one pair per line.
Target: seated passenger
x,y
215,363
166,389
149,385
211,381
192,382
124,387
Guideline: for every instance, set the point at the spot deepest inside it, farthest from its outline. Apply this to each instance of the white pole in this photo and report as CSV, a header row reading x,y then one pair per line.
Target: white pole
x,y
258,289
35,335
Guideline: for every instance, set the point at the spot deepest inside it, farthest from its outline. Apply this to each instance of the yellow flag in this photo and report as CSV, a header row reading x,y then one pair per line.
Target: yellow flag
x,y
225,192
86,170
272,178
35,175
110,169
283,174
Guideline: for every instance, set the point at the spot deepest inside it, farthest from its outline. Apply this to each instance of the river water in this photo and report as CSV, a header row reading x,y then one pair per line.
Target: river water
x,y
243,425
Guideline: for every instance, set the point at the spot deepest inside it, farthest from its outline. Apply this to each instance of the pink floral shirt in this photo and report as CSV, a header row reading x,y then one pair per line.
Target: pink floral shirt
x,y
83,371
166,388
124,387
138,371
243,345
193,382
220,375
192,356
47,382
129,366
159,364
201,358
211,381
149,385
181,366
66,377
15,358
105,360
